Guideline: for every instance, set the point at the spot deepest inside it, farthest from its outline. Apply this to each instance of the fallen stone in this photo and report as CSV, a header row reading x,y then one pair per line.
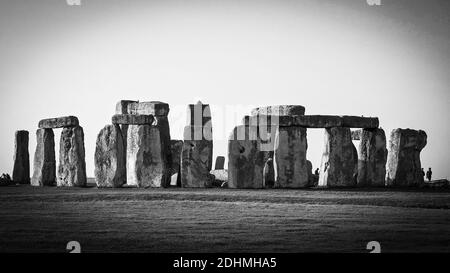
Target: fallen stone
x,y
279,110
72,164
403,164
339,159
52,123
132,119
196,163
290,158
21,169
372,158
219,177
176,148
147,161
245,160
220,163
110,171
44,173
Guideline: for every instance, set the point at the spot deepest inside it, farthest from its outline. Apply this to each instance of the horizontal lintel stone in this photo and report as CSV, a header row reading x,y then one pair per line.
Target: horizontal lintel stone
x,y
132,119
61,122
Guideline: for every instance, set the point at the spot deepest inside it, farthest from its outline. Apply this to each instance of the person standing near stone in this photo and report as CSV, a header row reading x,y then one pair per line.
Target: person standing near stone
x,y
21,169
429,173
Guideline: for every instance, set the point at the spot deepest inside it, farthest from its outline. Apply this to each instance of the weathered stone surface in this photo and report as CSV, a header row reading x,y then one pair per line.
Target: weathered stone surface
x,y
132,119
122,108
279,110
220,163
310,173
176,148
147,160
21,169
245,159
72,164
290,158
339,159
356,134
312,121
196,163
403,164
155,108
61,122
372,158
268,174
110,171
44,173
198,114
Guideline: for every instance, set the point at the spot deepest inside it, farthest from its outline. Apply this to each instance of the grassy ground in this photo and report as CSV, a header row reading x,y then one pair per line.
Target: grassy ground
x,y
222,220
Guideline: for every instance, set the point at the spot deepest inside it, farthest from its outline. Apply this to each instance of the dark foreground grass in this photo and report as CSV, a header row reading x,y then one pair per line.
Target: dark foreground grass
x,y
223,220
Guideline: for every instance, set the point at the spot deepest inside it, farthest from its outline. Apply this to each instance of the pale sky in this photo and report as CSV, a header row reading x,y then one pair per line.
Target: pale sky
x,y
340,57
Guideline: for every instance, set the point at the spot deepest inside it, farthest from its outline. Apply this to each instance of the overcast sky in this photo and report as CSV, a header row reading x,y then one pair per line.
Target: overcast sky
x,y
332,56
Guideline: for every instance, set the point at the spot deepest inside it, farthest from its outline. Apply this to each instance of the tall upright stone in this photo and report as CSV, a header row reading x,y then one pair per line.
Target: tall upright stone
x,y
177,149
72,164
220,163
44,173
110,171
291,170
339,159
372,157
196,160
159,110
124,107
245,159
146,157
403,164
21,169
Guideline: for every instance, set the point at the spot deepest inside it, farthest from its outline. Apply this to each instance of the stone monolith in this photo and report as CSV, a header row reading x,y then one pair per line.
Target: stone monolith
x,y
176,148
220,163
147,164
72,164
110,171
21,169
339,159
44,173
372,158
403,164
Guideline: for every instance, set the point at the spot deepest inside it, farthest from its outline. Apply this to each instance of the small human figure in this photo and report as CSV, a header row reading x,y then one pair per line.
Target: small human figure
x,y
317,172
429,173
423,174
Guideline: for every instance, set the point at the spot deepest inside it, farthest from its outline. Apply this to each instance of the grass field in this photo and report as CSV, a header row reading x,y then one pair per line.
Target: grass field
x,y
223,220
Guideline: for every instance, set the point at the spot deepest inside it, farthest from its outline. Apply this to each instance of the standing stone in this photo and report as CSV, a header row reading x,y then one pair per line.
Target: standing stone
x,y
309,168
196,159
122,108
372,158
159,111
220,163
196,163
290,158
268,174
146,159
72,164
177,148
21,169
245,160
403,164
339,159
44,159
109,159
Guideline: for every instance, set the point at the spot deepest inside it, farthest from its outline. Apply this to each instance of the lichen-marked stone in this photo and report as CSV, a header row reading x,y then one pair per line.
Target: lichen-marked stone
x,y
44,173
72,164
